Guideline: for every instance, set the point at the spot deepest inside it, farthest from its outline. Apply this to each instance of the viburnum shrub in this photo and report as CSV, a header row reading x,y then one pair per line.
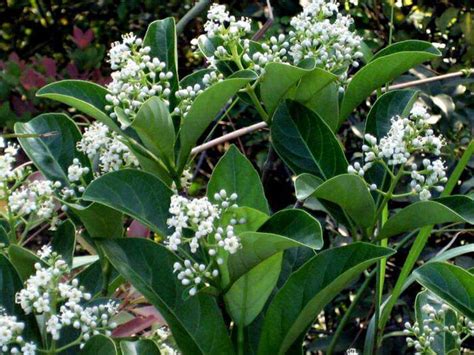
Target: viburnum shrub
x,y
227,274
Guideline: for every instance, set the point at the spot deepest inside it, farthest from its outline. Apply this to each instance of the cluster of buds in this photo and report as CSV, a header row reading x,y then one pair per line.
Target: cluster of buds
x,y
136,77
105,149
422,337
208,234
408,140
61,302
187,95
11,339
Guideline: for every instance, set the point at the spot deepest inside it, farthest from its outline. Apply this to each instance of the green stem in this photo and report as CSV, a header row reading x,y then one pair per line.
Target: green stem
x,y
420,242
240,326
249,89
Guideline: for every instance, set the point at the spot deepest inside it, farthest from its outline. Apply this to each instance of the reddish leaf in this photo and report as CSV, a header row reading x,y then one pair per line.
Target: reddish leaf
x,y
137,230
50,67
134,326
21,107
82,39
72,71
147,311
31,79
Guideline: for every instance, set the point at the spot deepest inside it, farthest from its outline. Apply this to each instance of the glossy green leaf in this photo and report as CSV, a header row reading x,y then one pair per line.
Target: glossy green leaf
x,y
23,260
349,192
295,224
4,241
385,66
196,322
451,283
422,213
280,78
64,241
139,347
305,142
154,126
443,342
85,96
309,289
92,279
161,38
135,193
55,149
100,221
390,104
254,219
99,344
256,247
326,104
234,173
204,110
247,296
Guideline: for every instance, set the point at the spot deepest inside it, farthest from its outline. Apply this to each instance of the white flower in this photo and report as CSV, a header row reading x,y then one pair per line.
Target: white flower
x,y
322,33
76,171
408,139
104,146
37,197
203,219
136,77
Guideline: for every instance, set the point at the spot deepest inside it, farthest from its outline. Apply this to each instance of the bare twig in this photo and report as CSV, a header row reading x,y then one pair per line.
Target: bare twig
x,y
227,137
255,127
259,34
191,14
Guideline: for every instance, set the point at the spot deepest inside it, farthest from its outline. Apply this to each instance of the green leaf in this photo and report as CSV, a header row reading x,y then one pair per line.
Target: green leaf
x,y
247,296
280,78
4,241
295,224
100,221
204,110
309,289
349,192
135,193
53,151
23,260
99,344
85,96
451,283
161,38
10,284
196,322
390,104
154,126
139,347
326,104
305,142
254,219
443,341
256,247
422,213
92,279
385,66
235,173
64,241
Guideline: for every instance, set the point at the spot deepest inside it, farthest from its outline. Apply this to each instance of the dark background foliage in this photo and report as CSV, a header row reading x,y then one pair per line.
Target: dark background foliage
x,y
43,41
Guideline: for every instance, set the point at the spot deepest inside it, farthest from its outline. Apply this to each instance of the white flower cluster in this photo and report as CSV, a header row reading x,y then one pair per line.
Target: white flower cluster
x,y
322,33
221,24
187,95
408,138
276,50
104,147
204,219
11,339
37,197
7,161
422,337
319,32
47,293
136,77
